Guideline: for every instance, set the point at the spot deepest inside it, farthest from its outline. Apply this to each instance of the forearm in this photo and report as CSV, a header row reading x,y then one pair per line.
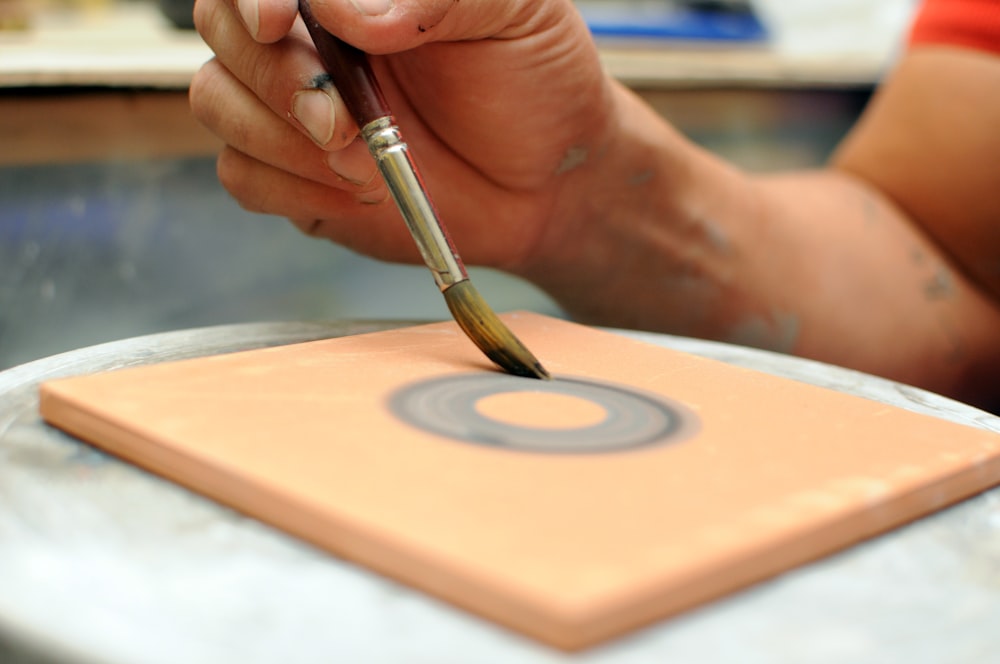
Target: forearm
x,y
873,292
818,264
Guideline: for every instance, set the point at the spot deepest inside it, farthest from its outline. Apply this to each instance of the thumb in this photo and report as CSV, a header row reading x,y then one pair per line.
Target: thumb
x,y
390,26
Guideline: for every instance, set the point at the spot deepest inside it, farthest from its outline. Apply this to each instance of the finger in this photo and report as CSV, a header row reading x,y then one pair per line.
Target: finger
x,y
277,72
369,227
267,21
392,26
242,121
260,187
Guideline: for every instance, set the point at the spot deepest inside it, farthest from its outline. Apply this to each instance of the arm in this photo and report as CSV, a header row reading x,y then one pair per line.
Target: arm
x,y
865,264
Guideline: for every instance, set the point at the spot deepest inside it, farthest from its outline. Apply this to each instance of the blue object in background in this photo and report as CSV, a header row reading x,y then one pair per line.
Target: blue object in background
x,y
665,19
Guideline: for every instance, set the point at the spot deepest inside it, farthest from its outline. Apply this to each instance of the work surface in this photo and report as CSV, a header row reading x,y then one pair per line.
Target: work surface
x,y
100,561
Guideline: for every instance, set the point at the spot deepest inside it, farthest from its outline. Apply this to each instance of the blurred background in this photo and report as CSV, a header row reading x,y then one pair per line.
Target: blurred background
x,y
112,222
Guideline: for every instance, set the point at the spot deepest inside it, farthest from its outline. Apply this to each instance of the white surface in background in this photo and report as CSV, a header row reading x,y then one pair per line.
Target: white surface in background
x,y
837,27
134,45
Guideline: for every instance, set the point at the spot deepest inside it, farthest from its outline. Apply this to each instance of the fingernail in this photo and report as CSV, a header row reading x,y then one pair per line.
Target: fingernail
x,y
314,109
250,12
372,7
353,165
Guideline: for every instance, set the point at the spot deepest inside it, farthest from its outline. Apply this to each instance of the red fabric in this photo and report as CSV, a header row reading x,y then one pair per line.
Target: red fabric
x,y
972,23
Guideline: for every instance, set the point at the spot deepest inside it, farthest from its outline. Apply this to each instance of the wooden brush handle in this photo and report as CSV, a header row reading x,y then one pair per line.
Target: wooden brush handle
x,y
360,91
350,71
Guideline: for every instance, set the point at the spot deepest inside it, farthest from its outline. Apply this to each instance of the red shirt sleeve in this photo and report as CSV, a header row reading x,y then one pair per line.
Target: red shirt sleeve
x,y
972,23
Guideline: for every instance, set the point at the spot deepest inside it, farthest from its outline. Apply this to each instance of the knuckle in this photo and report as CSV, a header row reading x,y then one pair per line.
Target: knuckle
x,y
201,93
212,104
232,173
205,15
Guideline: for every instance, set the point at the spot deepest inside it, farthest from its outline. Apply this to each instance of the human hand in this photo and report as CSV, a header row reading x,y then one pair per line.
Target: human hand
x,y
543,166
500,101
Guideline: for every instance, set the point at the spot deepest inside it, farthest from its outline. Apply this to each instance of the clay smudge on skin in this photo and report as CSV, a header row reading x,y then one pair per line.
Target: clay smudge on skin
x,y
321,81
641,178
869,210
940,286
716,236
956,347
777,332
574,157
701,270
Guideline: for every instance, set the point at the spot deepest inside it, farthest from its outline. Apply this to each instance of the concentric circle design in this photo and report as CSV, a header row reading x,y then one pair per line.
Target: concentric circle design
x,y
446,406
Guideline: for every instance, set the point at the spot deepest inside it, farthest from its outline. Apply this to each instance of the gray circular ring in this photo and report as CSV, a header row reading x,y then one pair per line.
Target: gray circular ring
x,y
447,406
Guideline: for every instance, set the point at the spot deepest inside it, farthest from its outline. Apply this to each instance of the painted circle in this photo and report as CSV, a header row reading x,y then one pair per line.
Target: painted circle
x,y
449,406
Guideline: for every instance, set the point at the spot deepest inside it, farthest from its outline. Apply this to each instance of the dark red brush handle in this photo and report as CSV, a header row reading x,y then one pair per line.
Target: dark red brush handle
x,y
350,71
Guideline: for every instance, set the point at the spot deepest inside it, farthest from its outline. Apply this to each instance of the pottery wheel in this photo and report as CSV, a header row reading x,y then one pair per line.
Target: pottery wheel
x,y
102,562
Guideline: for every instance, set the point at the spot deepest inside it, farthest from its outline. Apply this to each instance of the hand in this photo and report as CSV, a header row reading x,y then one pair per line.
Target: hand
x,y
543,166
501,101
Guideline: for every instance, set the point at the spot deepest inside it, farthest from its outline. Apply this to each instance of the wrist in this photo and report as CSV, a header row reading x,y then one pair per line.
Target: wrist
x,y
638,236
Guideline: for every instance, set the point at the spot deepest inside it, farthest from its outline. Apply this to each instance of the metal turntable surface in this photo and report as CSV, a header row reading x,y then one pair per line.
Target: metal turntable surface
x,y
102,562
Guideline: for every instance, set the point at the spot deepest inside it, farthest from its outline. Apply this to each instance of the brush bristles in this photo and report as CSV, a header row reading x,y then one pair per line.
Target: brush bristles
x,y
489,333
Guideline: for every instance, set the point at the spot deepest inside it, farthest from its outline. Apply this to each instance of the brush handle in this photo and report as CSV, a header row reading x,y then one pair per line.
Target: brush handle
x,y
349,67
353,77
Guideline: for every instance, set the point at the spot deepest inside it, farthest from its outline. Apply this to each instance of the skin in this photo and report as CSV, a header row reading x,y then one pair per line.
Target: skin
x,y
887,260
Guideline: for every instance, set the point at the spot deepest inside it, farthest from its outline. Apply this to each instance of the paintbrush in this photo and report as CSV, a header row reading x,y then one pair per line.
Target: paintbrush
x,y
358,87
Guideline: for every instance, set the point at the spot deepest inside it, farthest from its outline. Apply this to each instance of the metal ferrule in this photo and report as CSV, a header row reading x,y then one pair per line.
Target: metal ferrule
x,y
407,188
